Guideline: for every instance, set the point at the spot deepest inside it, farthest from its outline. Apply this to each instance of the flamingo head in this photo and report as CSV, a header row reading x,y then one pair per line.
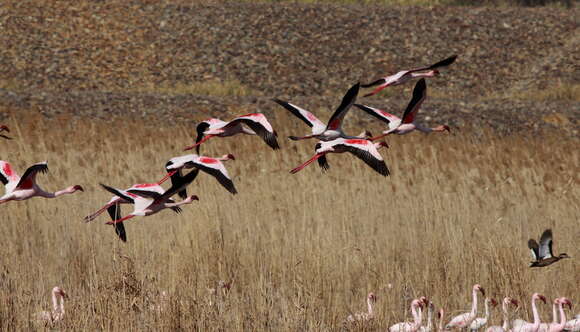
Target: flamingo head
x,y
193,198
59,291
563,255
508,300
433,72
382,144
446,127
4,128
424,300
372,297
539,296
478,287
76,187
229,156
493,302
566,301
417,303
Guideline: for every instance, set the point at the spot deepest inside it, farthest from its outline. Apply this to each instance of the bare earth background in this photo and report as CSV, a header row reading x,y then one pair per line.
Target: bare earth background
x,y
109,91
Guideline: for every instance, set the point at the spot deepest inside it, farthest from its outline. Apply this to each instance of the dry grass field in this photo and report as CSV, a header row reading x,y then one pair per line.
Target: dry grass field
x,y
301,250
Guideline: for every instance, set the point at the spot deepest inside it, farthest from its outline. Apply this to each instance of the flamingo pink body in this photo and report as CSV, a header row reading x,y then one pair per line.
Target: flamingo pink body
x,y
407,326
21,188
555,326
57,313
407,123
505,325
482,321
464,320
257,123
364,316
522,326
363,149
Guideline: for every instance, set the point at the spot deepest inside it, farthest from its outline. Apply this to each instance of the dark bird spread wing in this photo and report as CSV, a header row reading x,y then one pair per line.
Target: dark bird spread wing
x,y
118,193
533,245
201,128
145,193
115,213
30,174
419,95
177,181
6,137
302,114
323,163
378,165
218,175
348,100
181,185
545,250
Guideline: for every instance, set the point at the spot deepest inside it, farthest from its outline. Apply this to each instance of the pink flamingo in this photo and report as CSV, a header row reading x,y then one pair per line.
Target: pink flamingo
x,y
410,327
573,325
558,327
545,326
480,322
57,313
407,124
523,326
321,131
6,129
406,75
364,316
149,200
211,166
505,326
257,123
361,148
25,187
464,320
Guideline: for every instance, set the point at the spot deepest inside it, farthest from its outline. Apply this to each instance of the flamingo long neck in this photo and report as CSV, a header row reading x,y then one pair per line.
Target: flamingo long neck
x,y
487,310
416,316
370,307
562,316
56,193
429,318
536,324
61,307
474,303
505,324
554,313
430,73
441,320
55,306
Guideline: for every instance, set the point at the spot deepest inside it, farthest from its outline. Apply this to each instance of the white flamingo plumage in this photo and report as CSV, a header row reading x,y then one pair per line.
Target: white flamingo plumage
x,y
363,149
407,75
480,322
57,312
321,131
407,123
505,325
257,123
523,326
211,166
464,320
20,188
410,326
559,327
364,316
573,325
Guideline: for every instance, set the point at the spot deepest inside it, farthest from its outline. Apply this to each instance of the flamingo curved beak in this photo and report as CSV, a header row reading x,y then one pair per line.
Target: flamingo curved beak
x,y
515,302
79,188
543,298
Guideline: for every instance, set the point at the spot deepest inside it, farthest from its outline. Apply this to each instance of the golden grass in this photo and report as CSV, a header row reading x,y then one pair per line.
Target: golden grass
x,y
302,250
557,91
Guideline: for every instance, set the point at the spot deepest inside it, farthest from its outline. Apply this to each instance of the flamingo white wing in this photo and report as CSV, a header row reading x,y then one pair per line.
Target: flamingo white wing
x,y
217,169
367,152
260,125
310,119
29,176
460,321
391,120
442,63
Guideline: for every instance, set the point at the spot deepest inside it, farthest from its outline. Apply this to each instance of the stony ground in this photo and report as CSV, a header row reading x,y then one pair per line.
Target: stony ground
x,y
100,59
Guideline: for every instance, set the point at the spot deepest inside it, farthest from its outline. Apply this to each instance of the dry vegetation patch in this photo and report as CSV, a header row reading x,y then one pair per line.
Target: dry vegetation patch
x,y
302,250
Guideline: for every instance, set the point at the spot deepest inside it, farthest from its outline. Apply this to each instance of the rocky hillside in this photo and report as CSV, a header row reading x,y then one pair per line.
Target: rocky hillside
x,y
518,68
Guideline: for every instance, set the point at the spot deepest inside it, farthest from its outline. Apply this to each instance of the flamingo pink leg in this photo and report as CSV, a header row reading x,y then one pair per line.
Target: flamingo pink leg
x,y
299,168
120,220
166,177
198,143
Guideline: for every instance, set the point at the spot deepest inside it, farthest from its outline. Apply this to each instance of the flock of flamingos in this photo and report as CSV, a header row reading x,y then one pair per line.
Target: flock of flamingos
x,y
150,198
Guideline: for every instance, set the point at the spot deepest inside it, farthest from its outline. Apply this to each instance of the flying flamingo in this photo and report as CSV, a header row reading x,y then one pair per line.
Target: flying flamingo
x,y
211,166
57,313
150,200
4,128
542,253
464,320
364,316
523,326
361,148
410,327
406,75
321,131
407,124
257,123
20,188
505,326
482,321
